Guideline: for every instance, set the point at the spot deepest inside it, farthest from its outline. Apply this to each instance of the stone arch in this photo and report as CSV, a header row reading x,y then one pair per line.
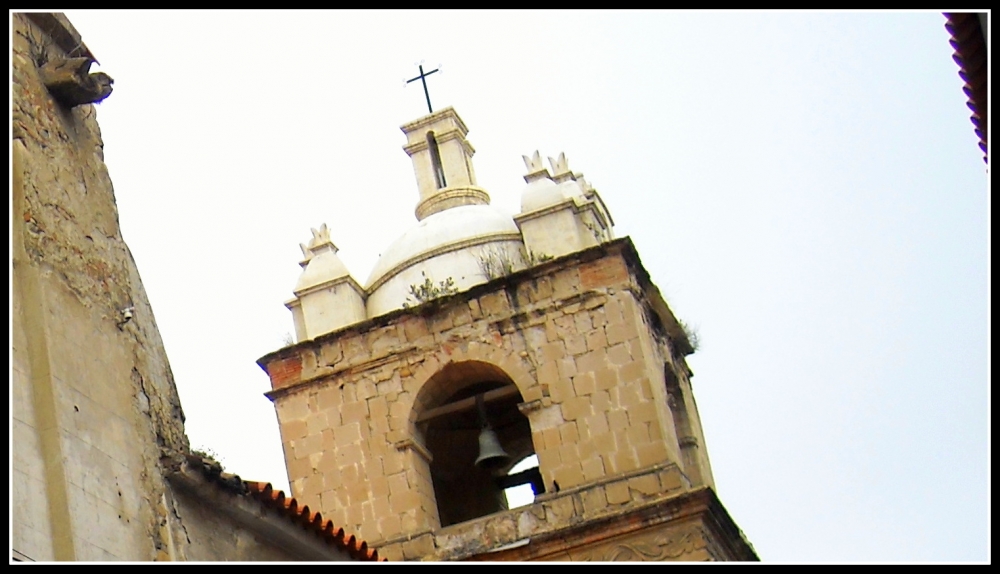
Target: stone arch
x,y
446,419
497,357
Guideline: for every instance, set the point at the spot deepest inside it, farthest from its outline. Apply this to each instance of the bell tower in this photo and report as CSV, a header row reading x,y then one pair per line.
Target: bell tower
x,y
407,424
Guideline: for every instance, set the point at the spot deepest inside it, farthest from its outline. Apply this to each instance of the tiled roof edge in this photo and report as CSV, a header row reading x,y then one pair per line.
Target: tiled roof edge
x,y
969,41
269,497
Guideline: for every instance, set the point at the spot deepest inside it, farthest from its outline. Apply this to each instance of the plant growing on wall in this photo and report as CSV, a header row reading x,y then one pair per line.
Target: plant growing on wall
x,y
209,455
428,291
692,335
537,258
497,261
38,47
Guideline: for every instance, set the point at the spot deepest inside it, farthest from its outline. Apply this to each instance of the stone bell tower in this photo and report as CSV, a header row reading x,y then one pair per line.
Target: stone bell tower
x,y
540,331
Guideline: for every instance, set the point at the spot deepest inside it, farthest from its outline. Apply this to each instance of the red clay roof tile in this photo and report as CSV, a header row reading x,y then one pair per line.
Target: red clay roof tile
x,y
267,496
312,521
968,40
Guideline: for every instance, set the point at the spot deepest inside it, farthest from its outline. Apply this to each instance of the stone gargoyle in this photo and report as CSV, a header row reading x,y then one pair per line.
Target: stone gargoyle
x,y
70,82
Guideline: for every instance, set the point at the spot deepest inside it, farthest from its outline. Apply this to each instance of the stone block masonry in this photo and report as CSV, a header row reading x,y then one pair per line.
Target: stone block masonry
x,y
579,339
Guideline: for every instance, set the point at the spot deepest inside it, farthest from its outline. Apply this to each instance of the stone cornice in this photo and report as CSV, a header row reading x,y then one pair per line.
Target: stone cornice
x,y
622,246
441,138
437,116
451,197
331,283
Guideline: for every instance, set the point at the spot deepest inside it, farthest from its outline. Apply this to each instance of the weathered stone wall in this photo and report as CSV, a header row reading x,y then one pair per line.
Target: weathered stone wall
x,y
690,526
95,405
601,501
96,418
578,338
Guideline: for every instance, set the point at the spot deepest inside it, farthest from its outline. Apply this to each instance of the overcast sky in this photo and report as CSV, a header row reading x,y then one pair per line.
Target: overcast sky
x,y
805,189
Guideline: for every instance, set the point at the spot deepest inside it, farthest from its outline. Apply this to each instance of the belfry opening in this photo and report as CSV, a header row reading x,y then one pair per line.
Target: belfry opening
x,y
475,433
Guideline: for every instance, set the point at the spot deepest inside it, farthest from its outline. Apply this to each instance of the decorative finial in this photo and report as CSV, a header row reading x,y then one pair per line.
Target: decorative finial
x,y
533,163
535,168
559,165
320,242
560,169
319,237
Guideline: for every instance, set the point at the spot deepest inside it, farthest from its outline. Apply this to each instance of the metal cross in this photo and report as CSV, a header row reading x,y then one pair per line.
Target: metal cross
x,y
424,82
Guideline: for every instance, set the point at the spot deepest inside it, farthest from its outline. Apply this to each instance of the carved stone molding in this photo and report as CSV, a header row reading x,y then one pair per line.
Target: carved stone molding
x,y
674,544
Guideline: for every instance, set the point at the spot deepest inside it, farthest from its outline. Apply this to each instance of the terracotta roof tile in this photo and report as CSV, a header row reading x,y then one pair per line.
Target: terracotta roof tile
x,y
276,500
313,521
968,40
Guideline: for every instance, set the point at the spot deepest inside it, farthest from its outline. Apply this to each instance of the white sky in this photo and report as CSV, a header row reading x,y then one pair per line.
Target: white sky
x,y
805,188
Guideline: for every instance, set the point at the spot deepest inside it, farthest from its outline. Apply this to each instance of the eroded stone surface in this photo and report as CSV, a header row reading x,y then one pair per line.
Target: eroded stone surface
x,y
97,422
103,406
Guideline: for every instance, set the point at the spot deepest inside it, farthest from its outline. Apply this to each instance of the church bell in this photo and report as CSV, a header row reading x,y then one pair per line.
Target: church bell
x,y
491,454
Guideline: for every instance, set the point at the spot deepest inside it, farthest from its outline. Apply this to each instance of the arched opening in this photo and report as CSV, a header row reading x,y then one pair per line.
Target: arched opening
x,y
455,403
432,147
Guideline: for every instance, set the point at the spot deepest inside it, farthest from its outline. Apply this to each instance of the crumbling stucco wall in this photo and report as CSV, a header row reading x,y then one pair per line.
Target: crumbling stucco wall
x,y
213,537
95,406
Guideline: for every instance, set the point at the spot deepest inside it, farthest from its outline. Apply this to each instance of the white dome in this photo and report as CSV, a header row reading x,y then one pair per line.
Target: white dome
x,y
540,193
571,188
544,192
440,230
444,245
